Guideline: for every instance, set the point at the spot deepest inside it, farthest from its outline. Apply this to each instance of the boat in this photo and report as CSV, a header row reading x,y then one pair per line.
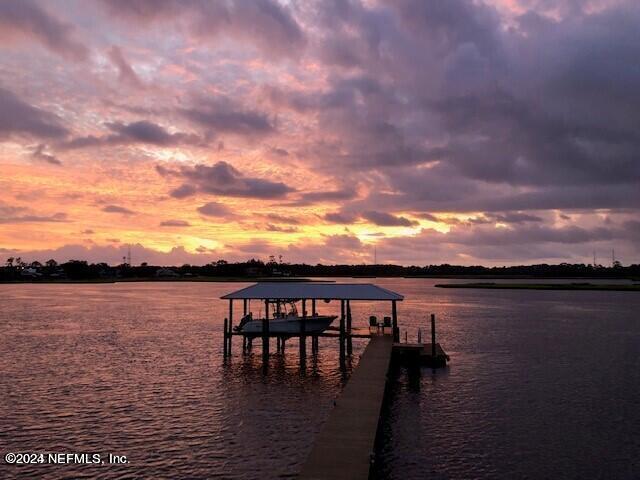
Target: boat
x,y
286,320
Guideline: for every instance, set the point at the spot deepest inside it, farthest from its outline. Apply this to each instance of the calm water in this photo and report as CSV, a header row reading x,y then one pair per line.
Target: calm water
x,y
542,384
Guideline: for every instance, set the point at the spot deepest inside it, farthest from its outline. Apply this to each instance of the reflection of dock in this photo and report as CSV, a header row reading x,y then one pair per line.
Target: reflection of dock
x,y
344,447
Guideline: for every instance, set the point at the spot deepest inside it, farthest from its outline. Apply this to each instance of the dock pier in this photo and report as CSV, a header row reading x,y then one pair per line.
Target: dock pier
x,y
344,448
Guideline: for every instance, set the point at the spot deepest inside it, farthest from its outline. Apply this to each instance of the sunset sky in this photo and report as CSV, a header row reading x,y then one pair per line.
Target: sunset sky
x,y
467,132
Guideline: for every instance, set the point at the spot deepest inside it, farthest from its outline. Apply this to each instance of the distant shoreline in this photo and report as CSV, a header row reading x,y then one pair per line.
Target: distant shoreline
x,y
487,285
156,279
545,286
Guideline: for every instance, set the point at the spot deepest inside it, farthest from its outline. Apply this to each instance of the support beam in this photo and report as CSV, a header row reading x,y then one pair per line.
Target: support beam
x,y
303,332
394,321
313,307
224,337
265,334
229,337
349,341
342,334
244,307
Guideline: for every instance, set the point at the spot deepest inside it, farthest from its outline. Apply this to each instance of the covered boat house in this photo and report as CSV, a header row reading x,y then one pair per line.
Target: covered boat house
x,y
275,294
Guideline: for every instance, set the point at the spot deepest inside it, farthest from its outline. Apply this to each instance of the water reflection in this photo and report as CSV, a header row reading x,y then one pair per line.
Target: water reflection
x,y
137,369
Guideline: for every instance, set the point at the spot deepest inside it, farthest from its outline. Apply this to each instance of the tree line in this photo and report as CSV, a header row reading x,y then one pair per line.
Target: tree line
x,y
16,269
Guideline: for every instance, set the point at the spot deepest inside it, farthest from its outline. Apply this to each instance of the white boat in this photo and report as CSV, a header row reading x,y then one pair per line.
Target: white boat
x,y
286,322
290,324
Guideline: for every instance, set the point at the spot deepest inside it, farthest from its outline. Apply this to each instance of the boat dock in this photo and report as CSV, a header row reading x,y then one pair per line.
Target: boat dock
x,y
344,447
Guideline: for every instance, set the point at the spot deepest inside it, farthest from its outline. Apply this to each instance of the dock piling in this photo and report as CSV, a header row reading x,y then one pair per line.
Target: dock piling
x,y
230,331
342,334
224,337
303,332
349,340
394,319
265,334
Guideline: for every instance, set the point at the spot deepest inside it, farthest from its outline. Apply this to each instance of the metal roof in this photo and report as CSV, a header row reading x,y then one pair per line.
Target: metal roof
x,y
314,290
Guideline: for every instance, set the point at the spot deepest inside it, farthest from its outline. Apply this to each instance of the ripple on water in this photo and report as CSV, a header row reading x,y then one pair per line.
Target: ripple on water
x,y
136,370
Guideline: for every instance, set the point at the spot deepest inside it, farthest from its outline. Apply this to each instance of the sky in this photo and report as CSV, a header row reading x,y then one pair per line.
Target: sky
x,y
415,131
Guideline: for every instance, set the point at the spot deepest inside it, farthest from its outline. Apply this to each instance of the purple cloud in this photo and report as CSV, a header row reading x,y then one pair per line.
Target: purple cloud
x,y
384,219
143,132
26,18
20,118
215,209
265,24
224,179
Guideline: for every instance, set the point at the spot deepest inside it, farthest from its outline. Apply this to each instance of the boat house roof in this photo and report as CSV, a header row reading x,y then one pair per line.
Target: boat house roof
x,y
313,291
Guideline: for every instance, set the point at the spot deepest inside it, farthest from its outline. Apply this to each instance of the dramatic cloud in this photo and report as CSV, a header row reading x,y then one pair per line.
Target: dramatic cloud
x,y
335,196
142,132
431,130
264,24
18,117
387,220
340,217
222,116
224,179
28,20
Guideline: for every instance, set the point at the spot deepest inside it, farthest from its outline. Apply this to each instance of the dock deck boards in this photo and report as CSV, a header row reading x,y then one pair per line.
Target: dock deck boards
x,y
344,446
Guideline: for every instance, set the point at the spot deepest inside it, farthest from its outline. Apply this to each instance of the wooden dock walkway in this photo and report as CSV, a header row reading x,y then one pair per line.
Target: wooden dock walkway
x,y
344,446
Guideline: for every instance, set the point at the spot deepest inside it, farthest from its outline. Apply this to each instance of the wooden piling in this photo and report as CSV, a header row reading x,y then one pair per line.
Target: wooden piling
x,y
265,333
230,331
349,340
224,338
342,334
303,332
394,317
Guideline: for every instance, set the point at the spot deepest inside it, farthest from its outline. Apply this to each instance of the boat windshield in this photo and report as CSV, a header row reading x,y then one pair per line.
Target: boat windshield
x,y
282,309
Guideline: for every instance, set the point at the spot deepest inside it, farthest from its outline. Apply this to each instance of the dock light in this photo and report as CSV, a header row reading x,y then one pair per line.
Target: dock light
x,y
327,300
